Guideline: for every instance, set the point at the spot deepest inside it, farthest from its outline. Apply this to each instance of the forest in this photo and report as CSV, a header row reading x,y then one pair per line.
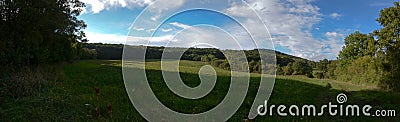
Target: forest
x,y
286,64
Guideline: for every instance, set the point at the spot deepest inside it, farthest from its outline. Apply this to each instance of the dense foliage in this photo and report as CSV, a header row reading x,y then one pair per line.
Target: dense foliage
x,y
374,58
213,56
39,31
35,35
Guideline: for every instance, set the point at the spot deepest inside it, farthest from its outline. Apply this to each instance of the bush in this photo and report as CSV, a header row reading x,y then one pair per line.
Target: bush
x,y
216,63
362,70
318,74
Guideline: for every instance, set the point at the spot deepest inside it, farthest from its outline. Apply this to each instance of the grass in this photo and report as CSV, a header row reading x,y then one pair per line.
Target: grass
x,y
73,97
334,84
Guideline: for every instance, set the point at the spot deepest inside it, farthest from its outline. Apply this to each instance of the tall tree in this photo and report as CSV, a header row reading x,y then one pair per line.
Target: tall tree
x,y
301,68
40,31
374,57
356,45
389,46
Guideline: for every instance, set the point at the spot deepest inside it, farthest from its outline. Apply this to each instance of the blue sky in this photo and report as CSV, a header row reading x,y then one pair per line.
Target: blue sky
x,y
312,29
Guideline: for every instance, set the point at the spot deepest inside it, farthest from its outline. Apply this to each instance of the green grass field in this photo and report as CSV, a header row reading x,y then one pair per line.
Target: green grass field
x,y
73,98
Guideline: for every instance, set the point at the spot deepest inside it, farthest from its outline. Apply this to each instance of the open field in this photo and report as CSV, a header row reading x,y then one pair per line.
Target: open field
x,y
73,98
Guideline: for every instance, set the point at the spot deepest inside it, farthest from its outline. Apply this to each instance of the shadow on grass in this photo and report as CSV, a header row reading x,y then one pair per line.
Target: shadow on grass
x,y
66,100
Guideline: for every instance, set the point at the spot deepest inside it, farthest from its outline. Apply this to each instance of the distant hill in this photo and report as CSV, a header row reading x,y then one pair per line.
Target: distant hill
x,y
114,52
285,64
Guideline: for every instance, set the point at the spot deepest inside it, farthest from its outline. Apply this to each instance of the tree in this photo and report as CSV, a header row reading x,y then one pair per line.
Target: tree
x,y
40,31
279,70
323,65
301,68
374,58
389,46
287,70
356,45
321,69
330,71
208,58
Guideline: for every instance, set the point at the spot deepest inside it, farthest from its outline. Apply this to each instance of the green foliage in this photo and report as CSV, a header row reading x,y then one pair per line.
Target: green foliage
x,y
208,58
318,74
356,45
389,47
373,58
27,80
108,51
217,63
362,70
86,53
73,98
330,72
325,69
287,70
301,68
40,31
279,70
356,62
213,56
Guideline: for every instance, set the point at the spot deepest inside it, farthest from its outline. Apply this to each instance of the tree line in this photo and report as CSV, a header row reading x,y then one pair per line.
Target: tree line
x,y
35,35
40,31
286,64
372,58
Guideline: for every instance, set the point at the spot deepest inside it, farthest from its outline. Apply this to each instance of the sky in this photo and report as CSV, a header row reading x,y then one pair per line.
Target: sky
x,y
311,29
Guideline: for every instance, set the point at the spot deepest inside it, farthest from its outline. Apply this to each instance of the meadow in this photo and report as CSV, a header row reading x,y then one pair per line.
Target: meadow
x,y
93,90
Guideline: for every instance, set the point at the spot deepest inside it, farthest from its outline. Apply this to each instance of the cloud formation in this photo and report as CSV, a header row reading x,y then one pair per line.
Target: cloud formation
x,y
177,24
335,15
290,22
121,39
333,34
96,6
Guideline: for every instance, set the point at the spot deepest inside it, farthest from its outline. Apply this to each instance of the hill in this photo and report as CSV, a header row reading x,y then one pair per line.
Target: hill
x,y
213,56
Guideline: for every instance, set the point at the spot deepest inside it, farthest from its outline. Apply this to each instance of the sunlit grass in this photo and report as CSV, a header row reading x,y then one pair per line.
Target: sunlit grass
x,y
68,99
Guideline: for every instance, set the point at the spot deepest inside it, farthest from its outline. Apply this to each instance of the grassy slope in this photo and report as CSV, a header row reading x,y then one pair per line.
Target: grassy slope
x,y
69,98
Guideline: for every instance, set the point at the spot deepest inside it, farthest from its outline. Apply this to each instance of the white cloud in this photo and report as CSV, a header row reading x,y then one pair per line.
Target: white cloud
x,y
142,40
304,8
163,5
177,24
333,44
204,34
335,15
289,22
94,37
139,29
105,38
150,30
333,34
166,30
97,6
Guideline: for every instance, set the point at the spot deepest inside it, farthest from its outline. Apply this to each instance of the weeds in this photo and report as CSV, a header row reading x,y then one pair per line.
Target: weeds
x,y
97,107
26,81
